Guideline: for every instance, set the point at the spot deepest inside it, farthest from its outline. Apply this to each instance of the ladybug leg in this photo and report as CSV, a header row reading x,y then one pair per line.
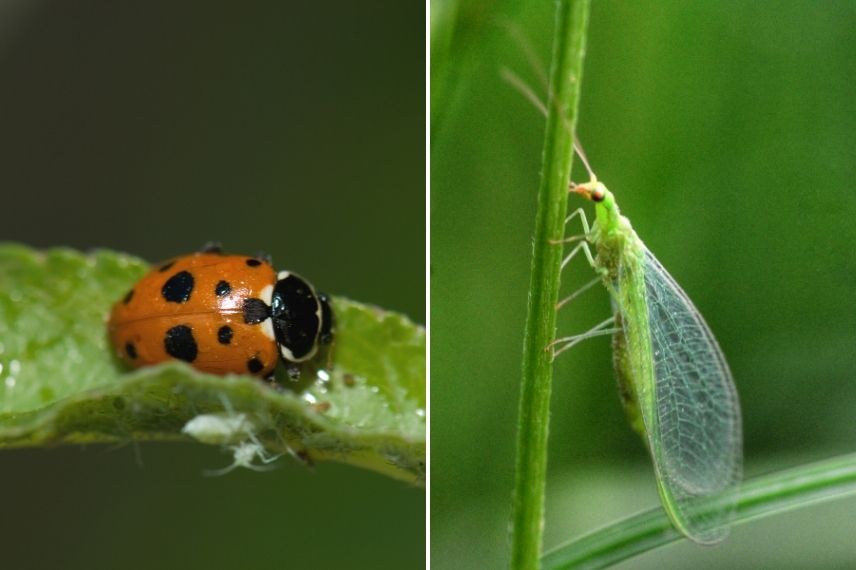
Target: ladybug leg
x,y
304,457
326,334
293,371
212,247
264,256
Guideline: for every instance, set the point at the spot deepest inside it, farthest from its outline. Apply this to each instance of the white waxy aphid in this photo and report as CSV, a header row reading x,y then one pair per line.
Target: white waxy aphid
x,y
219,429
244,455
236,431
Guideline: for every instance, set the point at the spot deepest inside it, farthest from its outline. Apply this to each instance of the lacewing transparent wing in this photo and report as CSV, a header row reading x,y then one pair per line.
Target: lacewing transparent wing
x,y
686,396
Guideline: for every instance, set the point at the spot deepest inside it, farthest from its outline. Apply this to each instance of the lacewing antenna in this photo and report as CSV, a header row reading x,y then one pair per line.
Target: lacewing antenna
x,y
578,147
523,88
525,46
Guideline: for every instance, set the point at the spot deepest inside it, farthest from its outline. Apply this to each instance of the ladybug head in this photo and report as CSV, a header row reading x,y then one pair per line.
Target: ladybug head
x,y
298,315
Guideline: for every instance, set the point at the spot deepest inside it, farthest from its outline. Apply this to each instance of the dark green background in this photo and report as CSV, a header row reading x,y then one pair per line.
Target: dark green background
x,y
296,128
727,133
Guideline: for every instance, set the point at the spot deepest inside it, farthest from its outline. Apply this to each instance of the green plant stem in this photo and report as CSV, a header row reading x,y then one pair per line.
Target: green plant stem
x,y
761,497
530,475
444,18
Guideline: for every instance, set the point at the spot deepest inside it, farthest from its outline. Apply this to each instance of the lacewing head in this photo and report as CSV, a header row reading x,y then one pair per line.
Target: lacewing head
x,y
592,190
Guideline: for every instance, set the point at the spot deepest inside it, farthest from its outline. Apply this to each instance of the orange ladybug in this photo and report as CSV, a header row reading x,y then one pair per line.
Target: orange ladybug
x,y
222,314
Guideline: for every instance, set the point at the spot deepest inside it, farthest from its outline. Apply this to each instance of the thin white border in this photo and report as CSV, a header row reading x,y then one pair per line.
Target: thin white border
x,y
427,284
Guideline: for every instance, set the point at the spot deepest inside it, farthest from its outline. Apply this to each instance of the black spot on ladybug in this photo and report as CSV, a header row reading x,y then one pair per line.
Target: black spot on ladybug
x,y
253,262
223,288
224,335
128,297
179,343
166,266
131,350
255,365
255,311
178,288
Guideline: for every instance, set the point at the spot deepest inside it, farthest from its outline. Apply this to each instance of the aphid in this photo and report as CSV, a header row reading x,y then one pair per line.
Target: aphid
x,y
244,455
236,432
219,429
674,381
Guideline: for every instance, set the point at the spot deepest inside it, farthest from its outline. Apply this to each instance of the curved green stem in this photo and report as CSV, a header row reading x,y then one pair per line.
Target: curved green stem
x,y
761,497
565,76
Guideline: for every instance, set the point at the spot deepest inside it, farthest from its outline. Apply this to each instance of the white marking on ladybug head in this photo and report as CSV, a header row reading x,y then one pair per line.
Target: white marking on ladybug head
x,y
288,355
266,294
267,328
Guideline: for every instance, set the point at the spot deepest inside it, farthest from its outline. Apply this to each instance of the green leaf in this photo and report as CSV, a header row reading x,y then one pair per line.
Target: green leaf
x,y
61,383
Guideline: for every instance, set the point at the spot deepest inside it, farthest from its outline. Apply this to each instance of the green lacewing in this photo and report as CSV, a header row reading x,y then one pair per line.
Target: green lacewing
x,y
674,381
675,384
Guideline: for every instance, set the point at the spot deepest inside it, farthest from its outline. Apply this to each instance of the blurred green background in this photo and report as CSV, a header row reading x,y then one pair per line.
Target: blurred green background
x,y
727,132
295,128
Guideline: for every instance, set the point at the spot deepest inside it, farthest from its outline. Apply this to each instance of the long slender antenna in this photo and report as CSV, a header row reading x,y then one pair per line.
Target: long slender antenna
x,y
581,153
525,46
524,89
515,81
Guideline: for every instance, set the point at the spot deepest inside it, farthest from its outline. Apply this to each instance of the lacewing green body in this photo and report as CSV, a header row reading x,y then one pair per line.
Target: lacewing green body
x,y
675,383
